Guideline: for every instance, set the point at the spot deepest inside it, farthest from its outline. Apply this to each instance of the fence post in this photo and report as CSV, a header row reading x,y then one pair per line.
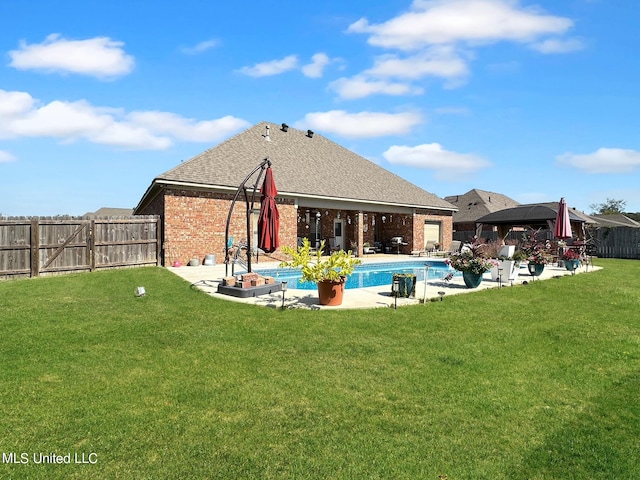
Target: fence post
x,y
35,247
91,241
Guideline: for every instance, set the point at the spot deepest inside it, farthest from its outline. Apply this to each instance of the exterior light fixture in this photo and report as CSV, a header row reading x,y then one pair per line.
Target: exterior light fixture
x,y
384,218
318,216
395,288
426,277
441,293
284,289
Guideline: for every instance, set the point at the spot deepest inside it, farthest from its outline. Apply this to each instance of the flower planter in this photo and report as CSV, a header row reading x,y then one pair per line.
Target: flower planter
x,y
472,280
571,265
330,293
508,272
536,269
407,284
507,251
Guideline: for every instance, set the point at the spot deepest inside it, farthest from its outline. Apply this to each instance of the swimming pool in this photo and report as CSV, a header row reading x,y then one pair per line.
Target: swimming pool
x,y
367,274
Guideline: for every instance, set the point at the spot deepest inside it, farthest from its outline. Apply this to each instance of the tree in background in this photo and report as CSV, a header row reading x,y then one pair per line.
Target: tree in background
x,y
610,207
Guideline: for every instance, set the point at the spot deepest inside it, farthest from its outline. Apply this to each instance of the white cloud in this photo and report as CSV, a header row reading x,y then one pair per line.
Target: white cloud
x,y
432,156
604,160
200,47
22,116
188,129
452,21
362,124
558,45
6,157
361,86
440,61
318,63
273,67
452,111
97,57
436,38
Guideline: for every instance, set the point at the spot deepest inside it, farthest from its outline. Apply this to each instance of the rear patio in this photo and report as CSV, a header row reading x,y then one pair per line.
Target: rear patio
x,y
207,278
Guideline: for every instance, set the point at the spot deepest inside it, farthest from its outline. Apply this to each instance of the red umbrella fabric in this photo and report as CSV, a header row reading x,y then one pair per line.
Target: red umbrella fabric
x,y
563,226
269,218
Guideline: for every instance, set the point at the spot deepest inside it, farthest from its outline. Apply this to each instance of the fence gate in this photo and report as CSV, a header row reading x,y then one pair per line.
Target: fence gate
x,y
33,247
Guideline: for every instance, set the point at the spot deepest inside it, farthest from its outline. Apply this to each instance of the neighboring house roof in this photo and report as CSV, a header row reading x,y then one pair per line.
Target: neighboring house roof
x,y
110,212
303,166
477,203
615,220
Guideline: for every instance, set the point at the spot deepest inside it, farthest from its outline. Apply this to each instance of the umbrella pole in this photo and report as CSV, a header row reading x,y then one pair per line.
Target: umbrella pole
x,y
242,188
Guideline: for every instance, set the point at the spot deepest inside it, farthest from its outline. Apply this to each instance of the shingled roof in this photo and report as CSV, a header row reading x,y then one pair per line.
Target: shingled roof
x,y
535,214
477,203
303,165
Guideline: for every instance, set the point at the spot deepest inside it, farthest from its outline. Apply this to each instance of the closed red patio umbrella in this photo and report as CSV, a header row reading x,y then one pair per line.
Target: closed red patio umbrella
x,y
563,226
269,218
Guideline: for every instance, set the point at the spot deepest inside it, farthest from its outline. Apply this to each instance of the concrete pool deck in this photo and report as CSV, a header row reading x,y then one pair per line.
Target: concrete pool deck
x,y
207,278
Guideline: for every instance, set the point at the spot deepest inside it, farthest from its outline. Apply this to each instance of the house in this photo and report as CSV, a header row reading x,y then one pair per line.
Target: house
x,y
104,212
324,192
473,205
614,220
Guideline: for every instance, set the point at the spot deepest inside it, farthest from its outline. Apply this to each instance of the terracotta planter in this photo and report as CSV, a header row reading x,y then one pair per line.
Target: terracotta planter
x,y
330,293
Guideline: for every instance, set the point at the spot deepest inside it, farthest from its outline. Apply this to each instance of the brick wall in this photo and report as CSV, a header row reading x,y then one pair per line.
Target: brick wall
x,y
194,223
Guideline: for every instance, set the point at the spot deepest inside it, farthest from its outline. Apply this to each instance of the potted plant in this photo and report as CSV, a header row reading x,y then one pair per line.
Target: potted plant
x,y
406,284
472,262
571,260
328,272
537,254
504,269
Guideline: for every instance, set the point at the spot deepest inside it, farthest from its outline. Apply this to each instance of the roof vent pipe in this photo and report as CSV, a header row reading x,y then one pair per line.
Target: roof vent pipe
x,y
310,133
285,127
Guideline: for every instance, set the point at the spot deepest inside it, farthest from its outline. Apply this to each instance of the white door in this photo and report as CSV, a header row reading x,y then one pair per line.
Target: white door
x,y
338,233
431,232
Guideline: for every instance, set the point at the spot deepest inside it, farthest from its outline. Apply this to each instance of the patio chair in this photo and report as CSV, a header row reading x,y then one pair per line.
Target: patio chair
x,y
429,248
368,249
455,247
332,245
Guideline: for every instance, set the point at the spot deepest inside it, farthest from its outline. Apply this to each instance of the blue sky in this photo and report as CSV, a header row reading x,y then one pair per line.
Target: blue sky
x,y
533,99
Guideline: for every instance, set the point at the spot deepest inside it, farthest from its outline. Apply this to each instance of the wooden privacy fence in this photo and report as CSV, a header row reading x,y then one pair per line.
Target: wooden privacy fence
x,y
618,242
38,246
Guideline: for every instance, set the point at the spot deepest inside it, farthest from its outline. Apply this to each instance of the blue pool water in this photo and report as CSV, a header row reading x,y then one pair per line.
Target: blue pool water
x,y
368,274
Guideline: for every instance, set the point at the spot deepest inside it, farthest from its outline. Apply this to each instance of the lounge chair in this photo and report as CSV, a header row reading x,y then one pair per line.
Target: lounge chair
x,y
368,249
455,247
429,248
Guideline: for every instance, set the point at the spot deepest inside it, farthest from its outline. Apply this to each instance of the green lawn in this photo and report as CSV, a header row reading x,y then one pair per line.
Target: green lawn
x,y
539,381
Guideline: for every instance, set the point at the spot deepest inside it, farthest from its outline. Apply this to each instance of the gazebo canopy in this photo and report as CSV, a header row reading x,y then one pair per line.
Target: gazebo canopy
x,y
531,216
526,216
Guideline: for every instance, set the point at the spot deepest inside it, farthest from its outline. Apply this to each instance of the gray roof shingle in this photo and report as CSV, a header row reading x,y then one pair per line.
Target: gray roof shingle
x,y
301,165
477,203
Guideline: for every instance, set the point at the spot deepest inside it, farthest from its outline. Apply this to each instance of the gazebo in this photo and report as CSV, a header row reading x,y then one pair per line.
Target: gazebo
x,y
529,216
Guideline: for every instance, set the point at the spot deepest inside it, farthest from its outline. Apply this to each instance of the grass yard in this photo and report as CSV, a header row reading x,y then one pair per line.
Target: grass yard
x,y
539,381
